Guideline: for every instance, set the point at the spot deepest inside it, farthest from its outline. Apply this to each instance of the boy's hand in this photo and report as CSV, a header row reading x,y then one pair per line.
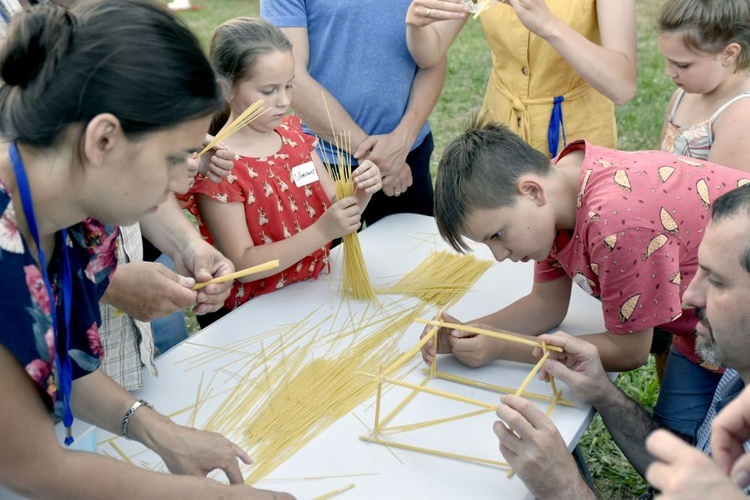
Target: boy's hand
x,y
342,218
469,348
475,350
430,350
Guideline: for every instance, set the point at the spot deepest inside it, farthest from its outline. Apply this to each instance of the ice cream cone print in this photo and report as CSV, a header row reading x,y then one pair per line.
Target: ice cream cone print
x,y
595,268
703,193
668,221
710,366
655,244
676,278
665,173
604,163
594,216
691,162
610,242
586,176
628,307
622,180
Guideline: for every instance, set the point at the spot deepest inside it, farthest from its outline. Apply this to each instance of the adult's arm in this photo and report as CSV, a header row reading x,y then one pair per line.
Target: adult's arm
x,y
429,37
33,464
580,368
307,98
149,290
611,68
172,233
534,448
389,151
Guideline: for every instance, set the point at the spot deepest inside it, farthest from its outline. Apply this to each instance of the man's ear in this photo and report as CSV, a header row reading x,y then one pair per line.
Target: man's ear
x,y
529,186
102,134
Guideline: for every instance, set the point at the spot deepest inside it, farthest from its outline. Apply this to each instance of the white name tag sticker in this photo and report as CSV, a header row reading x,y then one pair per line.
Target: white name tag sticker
x,y
304,174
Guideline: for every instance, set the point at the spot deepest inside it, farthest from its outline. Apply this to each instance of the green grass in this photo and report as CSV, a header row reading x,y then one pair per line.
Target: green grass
x,y
639,123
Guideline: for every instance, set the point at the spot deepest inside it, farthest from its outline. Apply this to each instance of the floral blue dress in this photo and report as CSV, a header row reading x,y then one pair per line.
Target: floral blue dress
x,y
25,308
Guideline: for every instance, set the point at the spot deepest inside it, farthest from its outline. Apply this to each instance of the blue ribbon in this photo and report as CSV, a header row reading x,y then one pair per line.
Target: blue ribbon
x,y
62,359
556,124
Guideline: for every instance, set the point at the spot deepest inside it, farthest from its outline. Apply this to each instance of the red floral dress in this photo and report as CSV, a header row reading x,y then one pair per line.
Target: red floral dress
x,y
275,207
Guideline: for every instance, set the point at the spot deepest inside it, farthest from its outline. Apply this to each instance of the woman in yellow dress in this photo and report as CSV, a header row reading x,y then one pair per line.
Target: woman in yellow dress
x,y
558,66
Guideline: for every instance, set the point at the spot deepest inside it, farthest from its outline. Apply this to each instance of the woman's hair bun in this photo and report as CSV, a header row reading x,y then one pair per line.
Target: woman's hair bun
x,y
36,44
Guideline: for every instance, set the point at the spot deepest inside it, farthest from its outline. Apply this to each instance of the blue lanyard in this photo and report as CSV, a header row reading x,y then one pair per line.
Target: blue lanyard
x,y
556,124
62,359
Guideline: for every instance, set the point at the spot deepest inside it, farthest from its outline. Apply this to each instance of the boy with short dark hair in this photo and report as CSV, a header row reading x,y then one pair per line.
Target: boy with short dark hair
x,y
624,226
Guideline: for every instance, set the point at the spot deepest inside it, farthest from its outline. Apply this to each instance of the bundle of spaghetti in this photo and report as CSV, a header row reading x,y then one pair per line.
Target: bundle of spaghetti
x,y
442,278
355,280
293,400
251,113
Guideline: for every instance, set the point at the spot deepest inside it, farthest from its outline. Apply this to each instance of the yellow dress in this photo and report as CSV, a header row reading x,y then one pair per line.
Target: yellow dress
x,y
528,73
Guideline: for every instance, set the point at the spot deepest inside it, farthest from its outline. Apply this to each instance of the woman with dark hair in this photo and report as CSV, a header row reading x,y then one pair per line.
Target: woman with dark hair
x,y
101,108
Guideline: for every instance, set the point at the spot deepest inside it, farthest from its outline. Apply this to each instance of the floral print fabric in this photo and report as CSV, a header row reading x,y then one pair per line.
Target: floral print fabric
x,y
26,308
640,219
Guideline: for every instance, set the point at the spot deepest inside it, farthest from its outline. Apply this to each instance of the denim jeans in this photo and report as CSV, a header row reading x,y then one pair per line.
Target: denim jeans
x,y
169,330
685,395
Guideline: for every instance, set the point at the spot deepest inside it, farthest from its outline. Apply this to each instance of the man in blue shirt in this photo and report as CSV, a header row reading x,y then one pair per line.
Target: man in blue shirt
x,y
355,55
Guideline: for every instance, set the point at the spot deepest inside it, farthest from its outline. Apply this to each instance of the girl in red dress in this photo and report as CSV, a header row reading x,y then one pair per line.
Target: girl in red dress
x,y
279,201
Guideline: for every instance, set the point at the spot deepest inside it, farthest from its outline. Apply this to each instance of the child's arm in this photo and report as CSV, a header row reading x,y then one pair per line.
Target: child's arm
x,y
367,181
227,224
731,147
544,308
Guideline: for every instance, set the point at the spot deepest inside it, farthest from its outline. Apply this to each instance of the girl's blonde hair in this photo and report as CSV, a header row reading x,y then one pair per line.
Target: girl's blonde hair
x,y
709,25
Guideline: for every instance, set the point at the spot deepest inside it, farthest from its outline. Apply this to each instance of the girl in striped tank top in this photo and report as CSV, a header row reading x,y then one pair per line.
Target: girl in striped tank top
x,y
706,46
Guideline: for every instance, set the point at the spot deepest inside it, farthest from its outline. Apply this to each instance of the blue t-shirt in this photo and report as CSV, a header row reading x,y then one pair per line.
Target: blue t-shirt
x,y
358,53
26,308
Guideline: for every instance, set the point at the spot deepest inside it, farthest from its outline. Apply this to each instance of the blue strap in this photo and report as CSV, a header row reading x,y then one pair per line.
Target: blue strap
x,y
64,365
556,124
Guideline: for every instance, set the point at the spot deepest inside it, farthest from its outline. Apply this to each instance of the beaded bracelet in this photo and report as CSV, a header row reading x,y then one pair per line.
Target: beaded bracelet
x,y
129,414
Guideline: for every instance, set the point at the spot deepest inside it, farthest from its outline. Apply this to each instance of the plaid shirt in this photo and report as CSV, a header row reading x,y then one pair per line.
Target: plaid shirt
x,y
128,343
8,8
